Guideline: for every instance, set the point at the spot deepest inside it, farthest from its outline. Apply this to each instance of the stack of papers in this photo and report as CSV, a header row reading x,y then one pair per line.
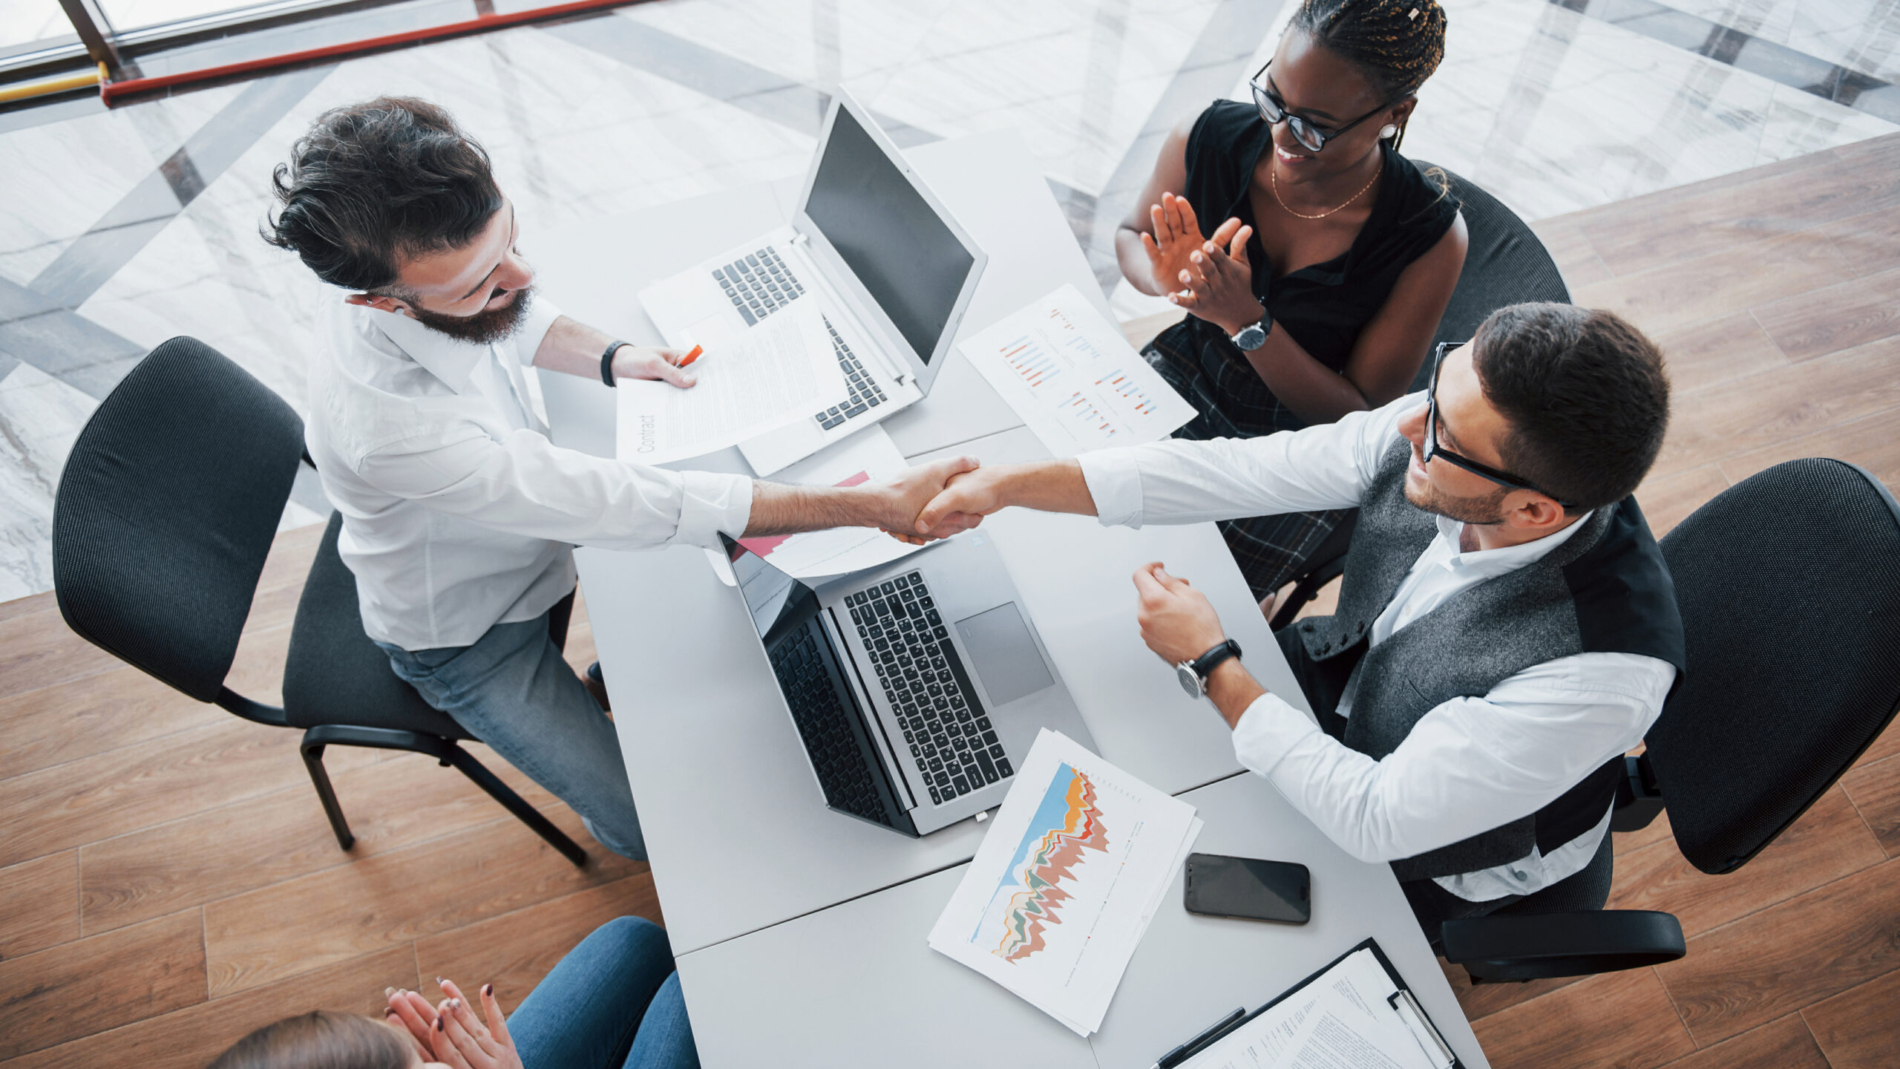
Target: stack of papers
x,y
1077,859
869,456
1072,377
1345,1019
778,372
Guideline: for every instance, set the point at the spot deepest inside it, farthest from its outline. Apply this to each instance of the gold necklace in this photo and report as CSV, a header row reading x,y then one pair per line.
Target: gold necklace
x,y
1273,181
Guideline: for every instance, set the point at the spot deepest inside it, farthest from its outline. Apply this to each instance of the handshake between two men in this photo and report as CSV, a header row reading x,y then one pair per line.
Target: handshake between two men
x,y
951,496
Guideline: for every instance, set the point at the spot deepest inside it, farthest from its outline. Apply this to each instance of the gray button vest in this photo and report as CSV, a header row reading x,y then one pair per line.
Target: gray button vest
x,y
1606,589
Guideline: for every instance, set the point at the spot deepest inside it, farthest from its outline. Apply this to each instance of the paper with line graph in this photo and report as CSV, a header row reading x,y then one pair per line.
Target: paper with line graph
x,y
1074,379
1076,861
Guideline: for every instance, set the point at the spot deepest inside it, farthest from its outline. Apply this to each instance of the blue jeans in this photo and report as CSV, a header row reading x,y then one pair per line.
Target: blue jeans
x,y
614,1001
513,691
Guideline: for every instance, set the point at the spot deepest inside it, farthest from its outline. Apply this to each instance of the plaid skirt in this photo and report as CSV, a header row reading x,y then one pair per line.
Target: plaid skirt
x,y
1204,368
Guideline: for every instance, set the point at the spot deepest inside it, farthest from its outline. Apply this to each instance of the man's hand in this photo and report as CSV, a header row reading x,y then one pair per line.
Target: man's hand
x,y
1177,621
964,500
905,497
634,362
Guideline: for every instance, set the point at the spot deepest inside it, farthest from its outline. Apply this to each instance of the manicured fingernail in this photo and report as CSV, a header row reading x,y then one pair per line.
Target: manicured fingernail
x,y
488,990
438,1024
388,991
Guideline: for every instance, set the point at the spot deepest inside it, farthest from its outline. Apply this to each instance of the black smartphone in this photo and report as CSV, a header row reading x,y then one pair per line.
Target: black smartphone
x,y
1247,887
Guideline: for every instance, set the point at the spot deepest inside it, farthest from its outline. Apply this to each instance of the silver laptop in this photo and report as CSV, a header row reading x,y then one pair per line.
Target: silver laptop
x,y
917,688
889,268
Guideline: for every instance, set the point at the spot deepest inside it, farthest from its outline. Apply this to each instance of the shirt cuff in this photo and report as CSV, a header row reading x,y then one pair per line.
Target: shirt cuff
x,y
1268,731
535,326
711,503
1114,482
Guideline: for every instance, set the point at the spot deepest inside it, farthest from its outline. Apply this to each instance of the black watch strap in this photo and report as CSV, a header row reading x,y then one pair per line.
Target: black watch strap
x,y
607,362
1205,664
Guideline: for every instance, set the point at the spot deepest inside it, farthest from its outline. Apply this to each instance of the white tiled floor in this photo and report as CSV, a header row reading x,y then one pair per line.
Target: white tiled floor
x,y
1549,109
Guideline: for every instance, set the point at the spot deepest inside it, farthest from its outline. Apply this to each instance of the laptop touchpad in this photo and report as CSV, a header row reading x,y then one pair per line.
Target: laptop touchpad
x,y
1006,658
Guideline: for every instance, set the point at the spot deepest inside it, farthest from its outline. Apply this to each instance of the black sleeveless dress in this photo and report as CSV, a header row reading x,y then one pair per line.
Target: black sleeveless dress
x,y
1323,306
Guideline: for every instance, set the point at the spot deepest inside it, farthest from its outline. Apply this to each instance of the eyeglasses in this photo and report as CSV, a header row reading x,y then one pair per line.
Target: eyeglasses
x,y
1273,110
1434,451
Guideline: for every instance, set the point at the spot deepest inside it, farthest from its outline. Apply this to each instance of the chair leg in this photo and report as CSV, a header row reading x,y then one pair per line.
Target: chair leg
x,y
313,760
515,804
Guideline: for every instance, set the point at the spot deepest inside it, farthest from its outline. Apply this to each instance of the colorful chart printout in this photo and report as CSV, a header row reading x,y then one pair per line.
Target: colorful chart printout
x,y
1029,898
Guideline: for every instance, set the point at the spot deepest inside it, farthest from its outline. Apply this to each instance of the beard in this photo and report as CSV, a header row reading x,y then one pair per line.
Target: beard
x,y
484,327
1483,511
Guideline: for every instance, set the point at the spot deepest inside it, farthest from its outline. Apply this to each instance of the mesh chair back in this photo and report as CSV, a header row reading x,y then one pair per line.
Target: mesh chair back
x,y
166,509
1789,583
1505,264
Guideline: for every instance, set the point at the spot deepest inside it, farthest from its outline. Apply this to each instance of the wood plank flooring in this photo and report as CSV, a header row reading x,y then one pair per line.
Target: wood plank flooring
x,y
168,882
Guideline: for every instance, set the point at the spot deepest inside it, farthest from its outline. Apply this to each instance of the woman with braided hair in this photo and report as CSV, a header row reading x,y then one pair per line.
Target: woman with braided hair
x,y
1321,285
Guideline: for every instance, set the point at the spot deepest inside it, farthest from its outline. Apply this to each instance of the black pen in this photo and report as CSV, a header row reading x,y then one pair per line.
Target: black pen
x,y
1198,1043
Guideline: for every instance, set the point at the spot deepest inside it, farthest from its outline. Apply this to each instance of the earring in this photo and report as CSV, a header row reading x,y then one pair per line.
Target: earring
x,y
1388,130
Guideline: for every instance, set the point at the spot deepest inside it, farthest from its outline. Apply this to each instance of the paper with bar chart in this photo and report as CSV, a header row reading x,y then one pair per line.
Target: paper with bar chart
x,y
1072,377
1076,861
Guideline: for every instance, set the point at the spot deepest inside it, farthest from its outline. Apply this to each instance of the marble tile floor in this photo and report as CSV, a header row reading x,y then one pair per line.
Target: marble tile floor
x,y
126,227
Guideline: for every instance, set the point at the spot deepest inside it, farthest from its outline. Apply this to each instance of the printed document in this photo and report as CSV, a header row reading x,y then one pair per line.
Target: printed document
x,y
1073,378
1077,859
1342,1020
778,372
869,456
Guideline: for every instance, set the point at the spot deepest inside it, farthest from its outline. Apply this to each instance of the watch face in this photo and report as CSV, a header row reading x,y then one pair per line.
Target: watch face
x,y
1190,679
1250,339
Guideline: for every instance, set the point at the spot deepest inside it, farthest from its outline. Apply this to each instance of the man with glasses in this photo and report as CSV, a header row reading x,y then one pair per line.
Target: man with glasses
x,y
1506,630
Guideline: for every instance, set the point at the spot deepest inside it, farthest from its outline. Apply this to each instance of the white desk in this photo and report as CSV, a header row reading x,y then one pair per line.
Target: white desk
x,y
739,839
857,985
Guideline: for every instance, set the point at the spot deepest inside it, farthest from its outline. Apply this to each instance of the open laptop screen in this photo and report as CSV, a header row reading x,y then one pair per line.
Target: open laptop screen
x,y
912,263
776,601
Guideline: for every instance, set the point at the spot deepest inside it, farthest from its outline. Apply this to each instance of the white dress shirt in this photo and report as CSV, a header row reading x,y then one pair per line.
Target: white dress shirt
x,y
1468,765
458,512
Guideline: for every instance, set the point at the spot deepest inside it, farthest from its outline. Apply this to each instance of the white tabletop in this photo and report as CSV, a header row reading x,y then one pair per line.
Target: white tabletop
x,y
857,985
800,930
715,762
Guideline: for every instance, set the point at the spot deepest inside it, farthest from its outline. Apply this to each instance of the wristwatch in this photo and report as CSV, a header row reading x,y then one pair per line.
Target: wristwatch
x,y
1193,674
607,363
1253,337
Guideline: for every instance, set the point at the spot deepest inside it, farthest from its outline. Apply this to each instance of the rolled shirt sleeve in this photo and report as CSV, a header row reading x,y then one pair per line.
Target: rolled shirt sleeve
x,y
524,484
534,327
1179,481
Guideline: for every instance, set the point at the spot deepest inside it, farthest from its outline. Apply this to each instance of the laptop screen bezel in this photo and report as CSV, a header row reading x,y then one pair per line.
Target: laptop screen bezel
x,y
924,366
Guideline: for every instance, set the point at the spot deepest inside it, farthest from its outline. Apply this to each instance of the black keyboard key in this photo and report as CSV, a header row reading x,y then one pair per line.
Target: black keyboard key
x,y
935,795
887,587
989,737
989,769
940,632
1002,767
962,785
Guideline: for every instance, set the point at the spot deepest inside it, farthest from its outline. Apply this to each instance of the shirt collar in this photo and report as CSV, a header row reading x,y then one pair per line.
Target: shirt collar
x,y
1495,562
451,360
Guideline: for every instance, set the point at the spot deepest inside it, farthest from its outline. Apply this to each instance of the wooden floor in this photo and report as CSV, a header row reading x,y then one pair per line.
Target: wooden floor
x,y
167,880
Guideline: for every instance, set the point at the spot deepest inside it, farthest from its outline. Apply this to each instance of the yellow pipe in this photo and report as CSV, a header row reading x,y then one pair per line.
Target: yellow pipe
x,y
28,90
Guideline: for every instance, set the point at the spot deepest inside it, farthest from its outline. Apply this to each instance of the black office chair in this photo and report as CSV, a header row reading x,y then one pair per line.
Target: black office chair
x,y
164,515
1790,601
1505,264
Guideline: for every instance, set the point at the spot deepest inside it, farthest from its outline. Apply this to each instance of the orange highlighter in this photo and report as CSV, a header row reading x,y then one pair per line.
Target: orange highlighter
x,y
698,350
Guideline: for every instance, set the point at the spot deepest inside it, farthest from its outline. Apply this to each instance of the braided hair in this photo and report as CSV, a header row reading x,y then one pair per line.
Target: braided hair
x,y
1397,43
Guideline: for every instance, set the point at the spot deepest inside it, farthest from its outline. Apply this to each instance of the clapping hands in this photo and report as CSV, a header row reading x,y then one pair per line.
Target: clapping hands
x,y
1210,277
448,1032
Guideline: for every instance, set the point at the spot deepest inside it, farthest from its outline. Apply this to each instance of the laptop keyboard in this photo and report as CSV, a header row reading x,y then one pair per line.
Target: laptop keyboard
x,y
825,726
947,732
760,284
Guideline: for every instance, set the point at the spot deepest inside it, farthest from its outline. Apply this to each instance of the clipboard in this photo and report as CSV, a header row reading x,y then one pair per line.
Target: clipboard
x,y
1401,1001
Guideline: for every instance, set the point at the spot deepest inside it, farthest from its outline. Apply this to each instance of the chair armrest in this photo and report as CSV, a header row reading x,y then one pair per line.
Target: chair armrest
x,y
1639,797
1540,945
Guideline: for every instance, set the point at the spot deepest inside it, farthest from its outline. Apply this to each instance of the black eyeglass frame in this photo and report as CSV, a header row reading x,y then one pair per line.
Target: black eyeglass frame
x,y
1433,450
1269,102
